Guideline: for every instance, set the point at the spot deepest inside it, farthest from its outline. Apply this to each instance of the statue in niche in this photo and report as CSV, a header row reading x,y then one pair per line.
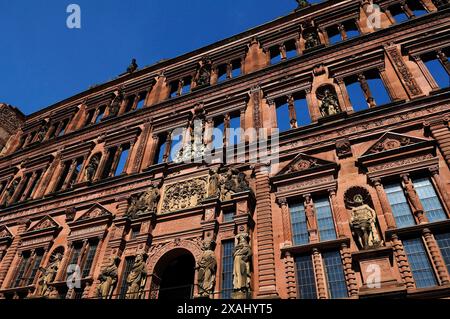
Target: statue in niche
x,y
11,190
204,73
363,219
411,192
233,182
242,263
302,3
146,202
92,166
132,67
108,279
48,276
115,104
137,278
42,132
330,103
207,267
311,40
213,183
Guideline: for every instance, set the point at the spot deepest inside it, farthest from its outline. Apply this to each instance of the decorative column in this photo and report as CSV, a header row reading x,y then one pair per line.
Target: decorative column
x,y
290,276
28,186
312,107
348,105
439,130
366,89
402,262
350,275
6,263
385,206
320,274
342,31
68,177
386,81
292,113
116,159
434,170
266,251
426,73
411,194
286,219
436,256
338,215
407,10
444,60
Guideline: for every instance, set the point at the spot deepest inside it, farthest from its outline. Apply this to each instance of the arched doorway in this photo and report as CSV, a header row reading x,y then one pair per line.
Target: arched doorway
x,y
176,272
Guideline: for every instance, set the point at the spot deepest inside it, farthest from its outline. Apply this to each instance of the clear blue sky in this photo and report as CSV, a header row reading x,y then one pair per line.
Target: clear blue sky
x,y
43,62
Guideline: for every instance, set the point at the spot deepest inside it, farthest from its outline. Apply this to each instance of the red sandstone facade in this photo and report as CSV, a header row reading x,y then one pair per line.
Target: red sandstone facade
x,y
50,204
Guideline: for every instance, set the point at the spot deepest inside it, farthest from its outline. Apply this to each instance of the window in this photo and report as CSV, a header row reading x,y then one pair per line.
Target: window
x,y
63,176
236,68
227,268
299,227
23,187
417,8
234,133
275,56
398,14
283,117
325,221
33,186
89,117
218,133
135,232
75,255
86,269
356,94
100,114
377,88
36,263
291,49
305,277
141,100
22,268
228,215
430,200
123,157
443,241
186,88
399,204
63,127
129,262
351,29
420,264
222,73
174,87
437,70
161,149
301,109
334,36
334,270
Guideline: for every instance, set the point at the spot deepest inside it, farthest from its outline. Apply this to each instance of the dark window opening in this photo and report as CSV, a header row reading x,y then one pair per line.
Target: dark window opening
x,y
174,89
334,36
417,8
109,162
398,13
89,117
123,157
236,68
129,262
101,112
227,269
130,103
89,259
135,231
186,85
63,127
228,215
351,29
222,73
275,55
291,49
22,268
36,263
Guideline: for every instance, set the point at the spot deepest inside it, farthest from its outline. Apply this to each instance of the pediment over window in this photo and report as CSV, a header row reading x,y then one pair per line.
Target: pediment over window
x,y
92,223
40,234
5,234
304,174
397,153
45,224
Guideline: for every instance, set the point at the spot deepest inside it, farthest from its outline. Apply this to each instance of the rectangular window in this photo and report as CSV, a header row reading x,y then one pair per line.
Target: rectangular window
x,y
234,136
398,14
135,231
299,227
417,8
100,114
420,264
306,282
227,269
301,110
62,176
123,157
228,215
222,73
33,186
218,132
186,86
63,127
275,55
78,293
377,88
89,259
22,268
351,29
443,241
429,199
437,70
236,68
356,94
283,118
75,255
325,222
141,101
334,270
129,262
36,263
291,49
161,150
76,172
334,36
399,204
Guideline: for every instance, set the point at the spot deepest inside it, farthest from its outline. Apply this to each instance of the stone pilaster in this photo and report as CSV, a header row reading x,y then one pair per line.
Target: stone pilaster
x,y
350,275
266,251
385,206
436,256
402,262
320,274
289,271
439,130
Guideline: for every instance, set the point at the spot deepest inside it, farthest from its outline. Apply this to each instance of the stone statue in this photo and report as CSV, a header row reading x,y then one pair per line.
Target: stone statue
x,y
137,278
48,276
242,184
330,104
91,168
412,194
207,267
144,203
108,279
241,263
363,224
115,104
42,132
310,213
10,191
213,183
233,182
302,4
311,40
204,73
132,67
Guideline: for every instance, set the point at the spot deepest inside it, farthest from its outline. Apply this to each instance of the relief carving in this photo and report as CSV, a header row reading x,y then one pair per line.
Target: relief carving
x,y
145,202
242,256
184,194
48,276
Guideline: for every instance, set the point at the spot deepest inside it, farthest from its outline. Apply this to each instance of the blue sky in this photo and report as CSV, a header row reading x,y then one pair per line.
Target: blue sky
x,y
43,62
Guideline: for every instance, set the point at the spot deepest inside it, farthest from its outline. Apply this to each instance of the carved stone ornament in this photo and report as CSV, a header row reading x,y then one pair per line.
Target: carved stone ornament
x,y
207,268
137,278
44,223
302,4
48,276
108,279
231,182
343,148
184,194
146,202
242,256
91,168
204,73
363,219
390,144
329,103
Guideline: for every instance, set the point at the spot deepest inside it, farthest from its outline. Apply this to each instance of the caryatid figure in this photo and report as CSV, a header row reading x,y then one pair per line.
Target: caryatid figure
x,y
241,263
137,278
207,267
108,279
48,276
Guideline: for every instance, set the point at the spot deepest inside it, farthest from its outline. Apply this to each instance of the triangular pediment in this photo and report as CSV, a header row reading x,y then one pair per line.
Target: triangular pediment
x,y
391,141
95,212
303,162
5,233
46,223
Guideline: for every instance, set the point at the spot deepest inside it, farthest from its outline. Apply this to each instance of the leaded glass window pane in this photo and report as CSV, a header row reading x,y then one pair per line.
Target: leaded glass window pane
x,y
334,270
400,207
299,227
227,268
325,221
420,264
306,281
429,199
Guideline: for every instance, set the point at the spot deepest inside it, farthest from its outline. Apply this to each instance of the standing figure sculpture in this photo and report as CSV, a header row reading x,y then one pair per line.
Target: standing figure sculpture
x,y
311,40
10,191
363,224
207,267
302,4
48,276
91,168
213,183
204,73
115,104
242,264
330,104
132,67
108,279
144,203
137,278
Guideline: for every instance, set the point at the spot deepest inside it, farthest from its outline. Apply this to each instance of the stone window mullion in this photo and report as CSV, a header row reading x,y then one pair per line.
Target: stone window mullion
x,y
366,89
292,113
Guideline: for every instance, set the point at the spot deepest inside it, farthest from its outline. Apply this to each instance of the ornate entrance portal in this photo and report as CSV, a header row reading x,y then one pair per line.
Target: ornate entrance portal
x,y
176,271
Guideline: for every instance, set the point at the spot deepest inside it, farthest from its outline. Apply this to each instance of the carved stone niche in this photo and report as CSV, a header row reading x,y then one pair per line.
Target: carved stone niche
x,y
394,154
328,101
